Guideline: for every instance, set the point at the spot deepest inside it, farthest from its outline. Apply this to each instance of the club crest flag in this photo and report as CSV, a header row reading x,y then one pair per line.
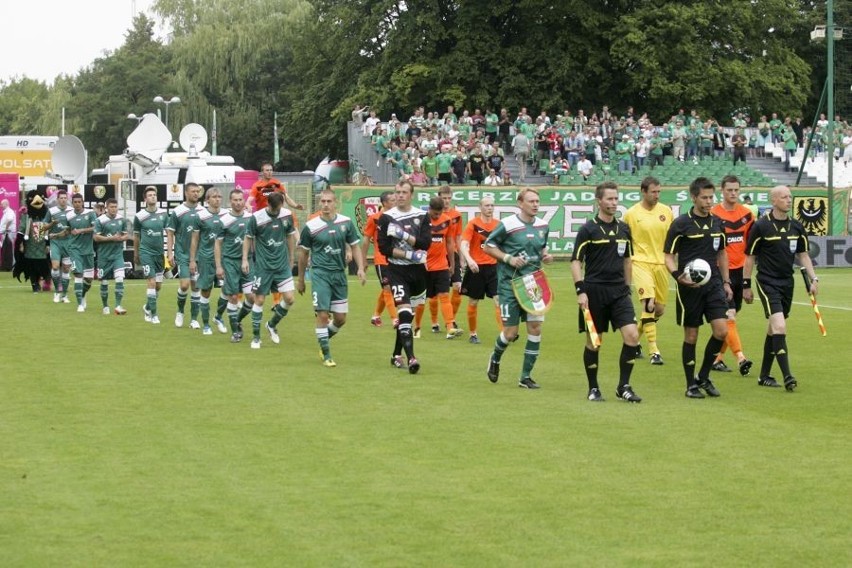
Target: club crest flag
x,y
533,292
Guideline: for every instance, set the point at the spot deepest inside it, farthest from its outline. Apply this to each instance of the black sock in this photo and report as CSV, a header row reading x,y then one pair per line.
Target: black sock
x,y
403,332
625,364
768,357
779,345
710,352
590,362
688,357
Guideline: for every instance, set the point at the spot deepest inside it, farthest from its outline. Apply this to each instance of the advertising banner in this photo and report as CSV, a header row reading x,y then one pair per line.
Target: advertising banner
x,y
565,209
9,190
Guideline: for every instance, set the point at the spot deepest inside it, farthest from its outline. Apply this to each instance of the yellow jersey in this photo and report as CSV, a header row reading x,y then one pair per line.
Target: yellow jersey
x,y
648,230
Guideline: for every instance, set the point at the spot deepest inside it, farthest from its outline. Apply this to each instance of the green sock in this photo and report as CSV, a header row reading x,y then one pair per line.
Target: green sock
x,y
256,317
181,300
322,339
105,293
221,306
530,354
278,313
500,347
119,292
194,305
205,311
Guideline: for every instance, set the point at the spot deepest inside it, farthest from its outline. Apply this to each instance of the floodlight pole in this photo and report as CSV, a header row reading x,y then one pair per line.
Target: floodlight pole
x,y
829,42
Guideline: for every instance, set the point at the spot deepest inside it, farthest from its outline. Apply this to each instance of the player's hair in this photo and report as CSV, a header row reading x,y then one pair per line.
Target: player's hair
x,y
235,191
385,197
111,200
445,190
648,182
61,192
213,192
524,192
330,192
77,196
698,184
599,190
405,182
729,179
149,188
193,184
275,199
436,203
486,198
264,164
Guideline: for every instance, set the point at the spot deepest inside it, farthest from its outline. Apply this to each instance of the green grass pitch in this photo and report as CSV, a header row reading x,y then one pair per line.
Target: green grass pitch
x,y
127,444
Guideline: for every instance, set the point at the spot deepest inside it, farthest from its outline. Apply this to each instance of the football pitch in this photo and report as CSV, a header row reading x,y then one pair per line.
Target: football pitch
x,y
129,444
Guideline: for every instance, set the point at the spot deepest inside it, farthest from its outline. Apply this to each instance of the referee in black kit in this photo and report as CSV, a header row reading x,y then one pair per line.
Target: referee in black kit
x,y
604,244
774,241
698,234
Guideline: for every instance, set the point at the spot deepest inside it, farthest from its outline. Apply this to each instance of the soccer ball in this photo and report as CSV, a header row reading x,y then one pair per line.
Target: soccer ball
x,y
698,271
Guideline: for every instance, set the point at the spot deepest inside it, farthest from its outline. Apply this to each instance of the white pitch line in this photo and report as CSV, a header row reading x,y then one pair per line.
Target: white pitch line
x,y
821,306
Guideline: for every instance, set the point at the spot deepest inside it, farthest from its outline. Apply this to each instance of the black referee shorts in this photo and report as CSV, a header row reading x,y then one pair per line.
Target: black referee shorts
x,y
775,295
477,285
697,305
610,306
407,282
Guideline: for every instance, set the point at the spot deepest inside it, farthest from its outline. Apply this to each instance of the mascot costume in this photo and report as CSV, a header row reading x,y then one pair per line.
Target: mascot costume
x,y
32,252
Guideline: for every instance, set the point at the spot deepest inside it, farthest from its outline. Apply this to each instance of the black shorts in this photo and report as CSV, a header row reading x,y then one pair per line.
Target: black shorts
x,y
477,285
447,177
407,282
456,276
696,305
610,306
736,275
437,282
382,274
775,295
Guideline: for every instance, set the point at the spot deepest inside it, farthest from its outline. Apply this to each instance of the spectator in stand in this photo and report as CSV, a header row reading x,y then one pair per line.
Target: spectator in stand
x,y
507,178
504,130
554,143
358,115
493,178
459,166
429,164
521,149
371,123
791,142
624,154
492,125
775,125
476,166
477,121
656,149
764,135
445,165
847,147
585,167
642,148
417,177
495,158
679,140
739,142
542,149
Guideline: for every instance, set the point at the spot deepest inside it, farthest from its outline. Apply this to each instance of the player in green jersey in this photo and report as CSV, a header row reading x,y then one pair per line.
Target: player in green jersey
x,y
149,227
519,243
182,222
60,262
201,259
324,239
273,234
228,256
110,234
81,226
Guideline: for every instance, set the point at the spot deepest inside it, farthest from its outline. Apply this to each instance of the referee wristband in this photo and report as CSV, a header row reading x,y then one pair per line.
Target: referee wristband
x,y
507,258
580,287
746,283
676,274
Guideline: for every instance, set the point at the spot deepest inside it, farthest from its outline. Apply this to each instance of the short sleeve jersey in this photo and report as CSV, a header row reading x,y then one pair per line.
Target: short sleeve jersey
x,y
371,231
648,229
476,233
58,215
107,226
775,245
270,239
233,233
183,221
261,189
82,244
209,226
736,225
445,161
326,240
456,227
692,236
436,257
527,240
603,247
151,227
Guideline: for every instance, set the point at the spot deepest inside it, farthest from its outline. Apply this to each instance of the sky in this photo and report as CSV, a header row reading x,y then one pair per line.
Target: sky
x,y
81,31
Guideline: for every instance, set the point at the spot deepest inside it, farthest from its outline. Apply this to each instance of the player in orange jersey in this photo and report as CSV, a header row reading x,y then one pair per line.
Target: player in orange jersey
x,y
737,220
385,300
267,184
480,278
439,266
455,232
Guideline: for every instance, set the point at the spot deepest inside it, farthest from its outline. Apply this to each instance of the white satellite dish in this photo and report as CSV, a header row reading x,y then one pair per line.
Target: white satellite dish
x,y
69,159
148,141
193,139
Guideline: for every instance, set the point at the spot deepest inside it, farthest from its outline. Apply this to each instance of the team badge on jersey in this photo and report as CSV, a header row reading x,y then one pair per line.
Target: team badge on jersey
x,y
792,245
622,248
716,242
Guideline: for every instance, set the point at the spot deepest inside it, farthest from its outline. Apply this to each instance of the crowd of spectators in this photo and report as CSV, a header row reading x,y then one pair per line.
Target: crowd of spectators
x,y
430,148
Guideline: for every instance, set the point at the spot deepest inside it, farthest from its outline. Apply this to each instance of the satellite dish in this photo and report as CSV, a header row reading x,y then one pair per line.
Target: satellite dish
x,y
193,139
149,140
69,159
